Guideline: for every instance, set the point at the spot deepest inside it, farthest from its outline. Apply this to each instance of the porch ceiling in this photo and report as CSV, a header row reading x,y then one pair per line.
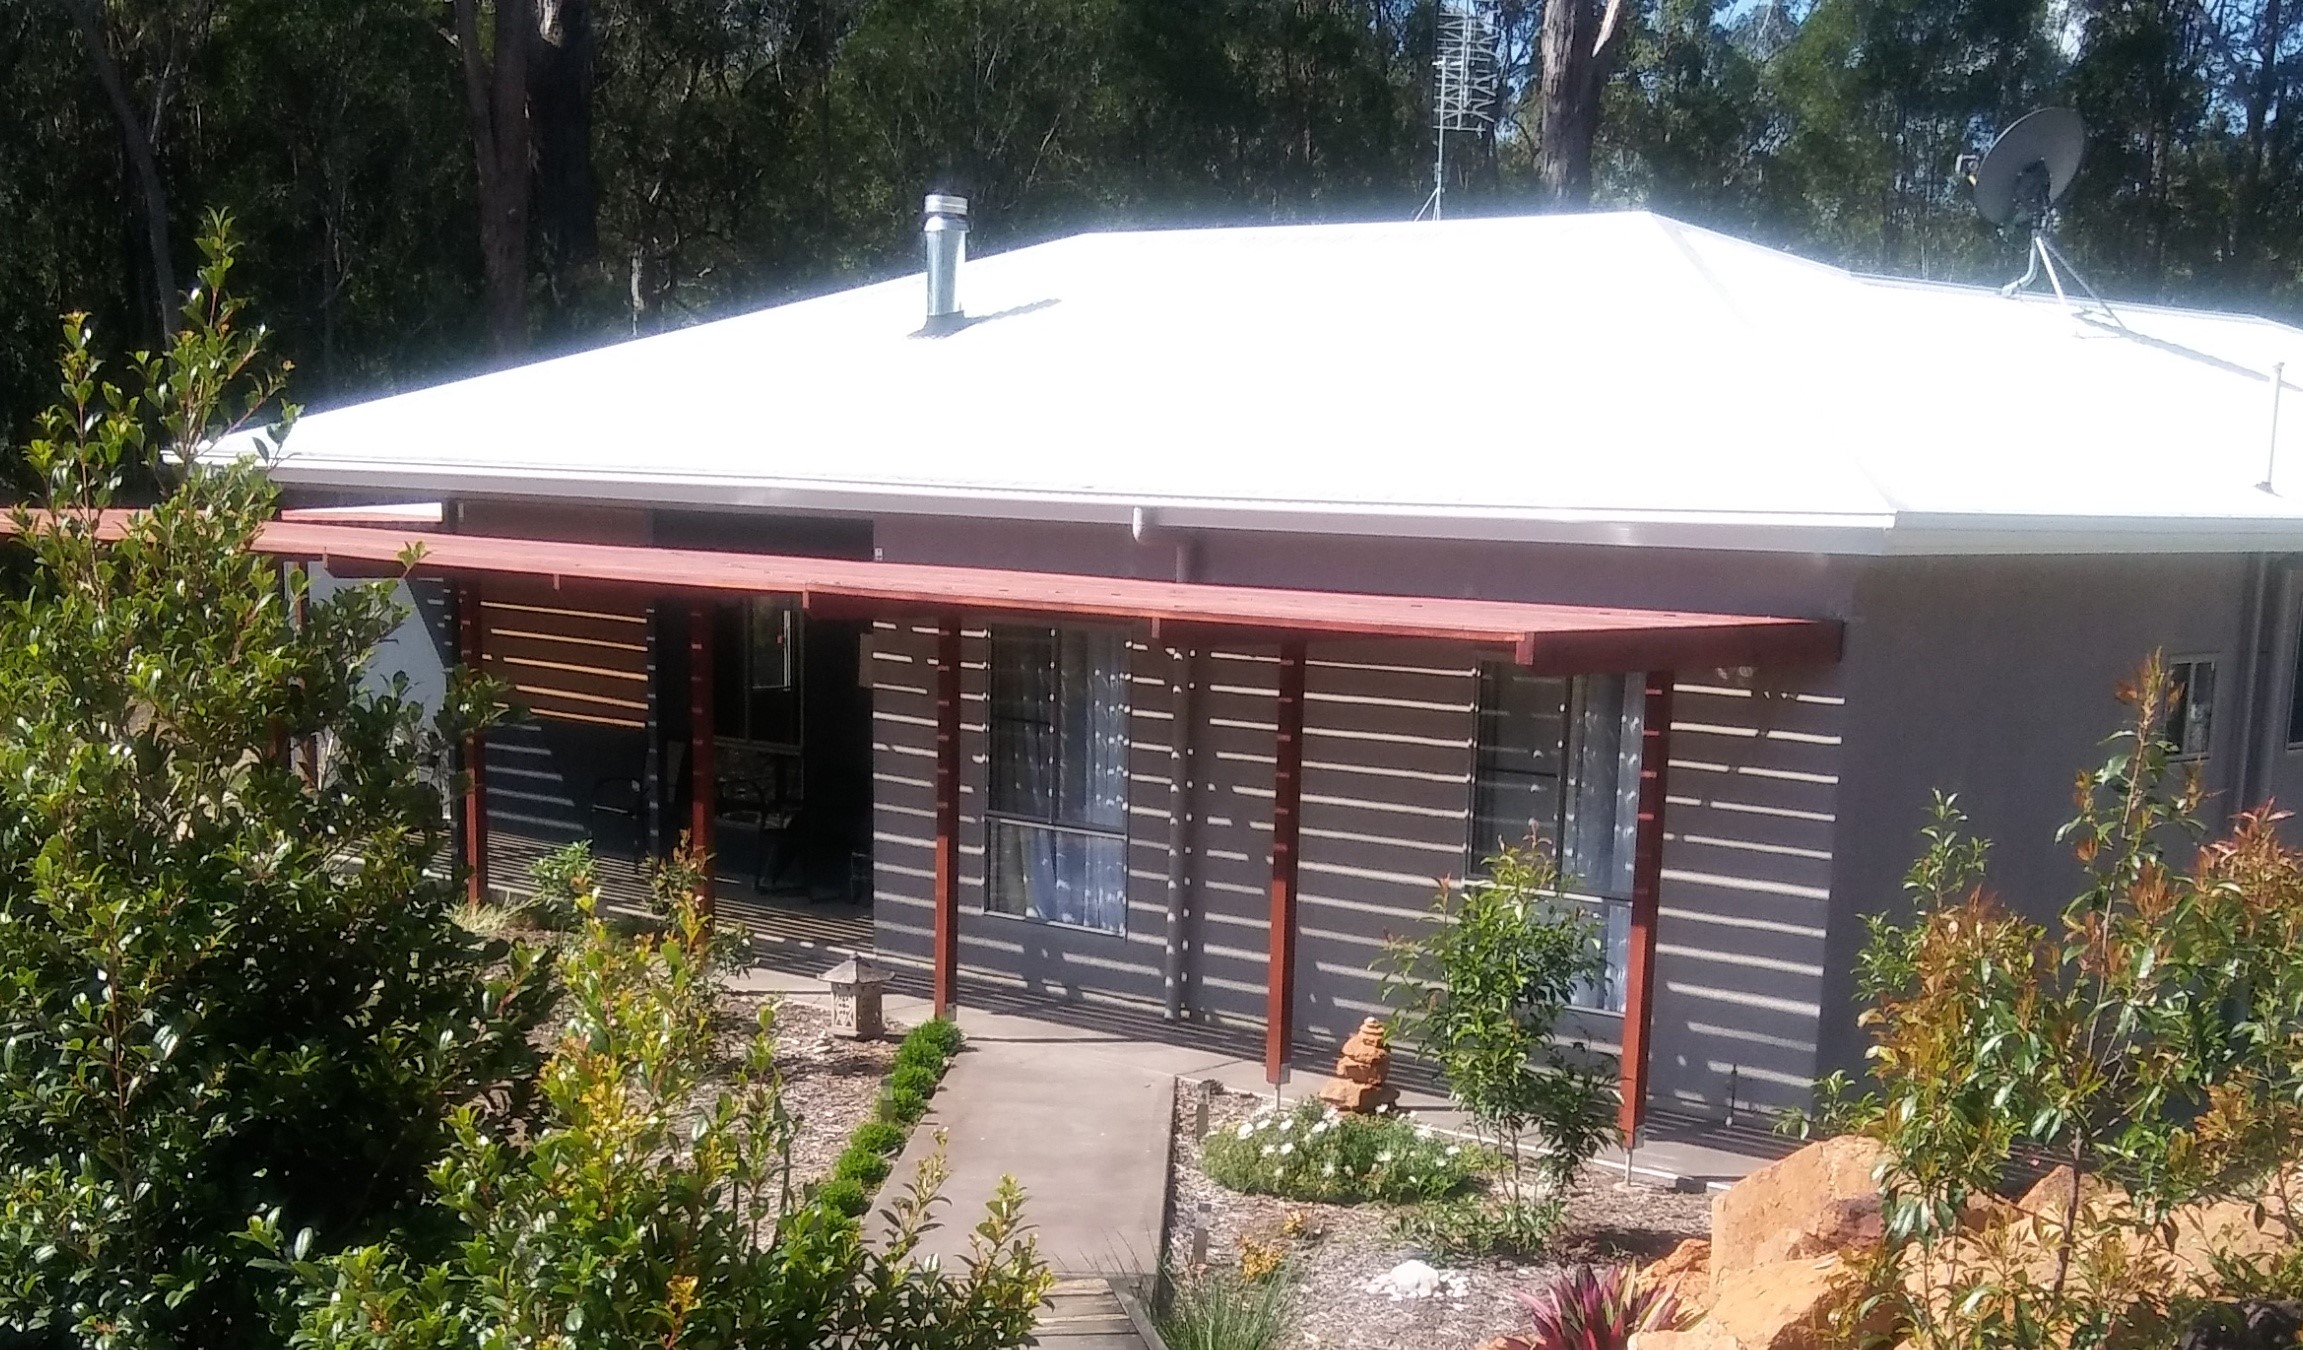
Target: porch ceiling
x,y
1560,638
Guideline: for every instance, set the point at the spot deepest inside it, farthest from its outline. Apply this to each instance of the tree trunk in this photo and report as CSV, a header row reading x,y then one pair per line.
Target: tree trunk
x,y
567,193
2260,94
143,164
1577,42
496,104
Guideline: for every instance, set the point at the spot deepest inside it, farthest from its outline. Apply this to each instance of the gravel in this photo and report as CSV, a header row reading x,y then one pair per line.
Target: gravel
x,y
1336,1250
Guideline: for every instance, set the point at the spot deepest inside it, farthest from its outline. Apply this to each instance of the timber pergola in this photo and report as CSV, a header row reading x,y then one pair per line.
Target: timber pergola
x,y
1550,639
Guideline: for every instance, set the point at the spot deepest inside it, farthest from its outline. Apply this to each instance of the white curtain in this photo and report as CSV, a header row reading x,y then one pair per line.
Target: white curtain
x,y
1060,776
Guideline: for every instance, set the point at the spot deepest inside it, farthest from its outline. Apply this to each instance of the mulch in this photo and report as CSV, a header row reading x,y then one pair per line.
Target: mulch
x,y
829,1082
1339,1249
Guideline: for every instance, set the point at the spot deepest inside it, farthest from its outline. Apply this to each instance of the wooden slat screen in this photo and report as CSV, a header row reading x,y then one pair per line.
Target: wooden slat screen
x,y
567,660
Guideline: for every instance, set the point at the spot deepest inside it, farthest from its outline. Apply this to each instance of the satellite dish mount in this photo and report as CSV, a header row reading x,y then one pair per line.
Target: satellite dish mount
x,y
2018,183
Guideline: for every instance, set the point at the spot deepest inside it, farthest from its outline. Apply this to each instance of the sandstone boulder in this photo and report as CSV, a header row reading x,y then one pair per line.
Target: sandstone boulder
x,y
1684,1273
1783,1305
1821,1200
1701,1336
2050,1197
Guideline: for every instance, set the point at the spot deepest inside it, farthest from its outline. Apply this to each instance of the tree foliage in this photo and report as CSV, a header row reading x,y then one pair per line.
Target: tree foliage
x,y
650,1202
686,157
2149,1042
1481,993
229,978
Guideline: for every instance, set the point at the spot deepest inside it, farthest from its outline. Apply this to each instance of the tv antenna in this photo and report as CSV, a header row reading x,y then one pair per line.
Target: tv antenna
x,y
2018,182
1464,88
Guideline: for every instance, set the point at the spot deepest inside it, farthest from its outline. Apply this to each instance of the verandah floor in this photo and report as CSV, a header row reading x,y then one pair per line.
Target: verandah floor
x,y
833,928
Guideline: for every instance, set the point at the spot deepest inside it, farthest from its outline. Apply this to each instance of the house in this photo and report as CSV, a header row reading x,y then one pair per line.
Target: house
x,y
1158,629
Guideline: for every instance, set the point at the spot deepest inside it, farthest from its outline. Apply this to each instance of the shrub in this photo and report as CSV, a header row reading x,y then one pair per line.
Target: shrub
x,y
844,1196
878,1136
939,1033
1593,1309
916,1079
902,1107
918,1052
1222,1309
1473,1225
1480,993
862,1166
561,880
646,1204
232,979
1310,1152
2147,1040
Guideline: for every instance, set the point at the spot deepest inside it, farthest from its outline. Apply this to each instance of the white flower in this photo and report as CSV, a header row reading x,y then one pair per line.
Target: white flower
x,y
1383,1157
1246,1128
1423,1131
1268,1150
1286,1149
1453,1149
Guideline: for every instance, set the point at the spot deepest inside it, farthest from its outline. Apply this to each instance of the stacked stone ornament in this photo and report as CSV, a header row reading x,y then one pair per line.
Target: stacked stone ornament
x,y
1358,1084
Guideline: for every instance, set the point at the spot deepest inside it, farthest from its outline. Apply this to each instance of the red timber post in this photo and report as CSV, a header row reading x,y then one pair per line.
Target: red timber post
x,y
704,782
468,629
1646,892
1286,829
947,882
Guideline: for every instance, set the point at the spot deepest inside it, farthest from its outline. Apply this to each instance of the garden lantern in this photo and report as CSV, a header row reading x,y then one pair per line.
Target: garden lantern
x,y
856,987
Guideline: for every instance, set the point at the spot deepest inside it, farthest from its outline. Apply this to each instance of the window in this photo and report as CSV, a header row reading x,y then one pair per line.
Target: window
x,y
756,654
1560,758
1059,776
2190,705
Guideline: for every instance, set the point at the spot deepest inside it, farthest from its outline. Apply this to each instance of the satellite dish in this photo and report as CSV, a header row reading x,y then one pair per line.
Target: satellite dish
x,y
2029,168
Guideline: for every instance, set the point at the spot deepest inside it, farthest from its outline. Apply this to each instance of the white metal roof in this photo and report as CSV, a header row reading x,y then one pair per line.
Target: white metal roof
x,y
1613,378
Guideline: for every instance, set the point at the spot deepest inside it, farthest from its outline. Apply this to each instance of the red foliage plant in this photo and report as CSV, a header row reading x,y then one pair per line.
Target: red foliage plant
x,y
1593,1308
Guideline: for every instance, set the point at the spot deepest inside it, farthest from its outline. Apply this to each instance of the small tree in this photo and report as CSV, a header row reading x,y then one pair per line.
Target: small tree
x,y
649,1204
2152,1043
1480,993
229,980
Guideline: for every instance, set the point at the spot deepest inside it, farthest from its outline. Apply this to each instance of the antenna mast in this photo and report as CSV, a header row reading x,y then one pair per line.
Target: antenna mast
x,y
1464,87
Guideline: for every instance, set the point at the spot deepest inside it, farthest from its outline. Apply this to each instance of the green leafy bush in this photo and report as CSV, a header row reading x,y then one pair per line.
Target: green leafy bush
x,y
2151,1040
882,1137
559,882
646,1204
862,1166
844,1196
1480,992
917,1079
902,1106
916,1053
1310,1152
937,1034
230,980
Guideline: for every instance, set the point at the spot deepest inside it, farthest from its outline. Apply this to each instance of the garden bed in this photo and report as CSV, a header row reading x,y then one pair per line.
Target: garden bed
x,y
829,1082
1334,1251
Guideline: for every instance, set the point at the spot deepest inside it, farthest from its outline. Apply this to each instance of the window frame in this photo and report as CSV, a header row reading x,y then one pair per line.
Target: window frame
x,y
737,702
2213,663
1601,905
996,819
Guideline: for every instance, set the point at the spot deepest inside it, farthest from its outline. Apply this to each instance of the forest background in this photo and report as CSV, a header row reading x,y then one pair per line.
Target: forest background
x,y
430,187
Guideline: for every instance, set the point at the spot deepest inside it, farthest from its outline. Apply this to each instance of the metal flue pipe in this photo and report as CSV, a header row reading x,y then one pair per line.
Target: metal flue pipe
x,y
945,232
